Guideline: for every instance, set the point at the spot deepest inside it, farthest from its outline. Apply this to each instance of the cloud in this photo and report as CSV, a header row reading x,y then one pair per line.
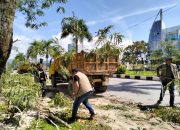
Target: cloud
x,y
106,17
117,18
64,41
22,44
86,46
90,23
20,28
126,42
69,40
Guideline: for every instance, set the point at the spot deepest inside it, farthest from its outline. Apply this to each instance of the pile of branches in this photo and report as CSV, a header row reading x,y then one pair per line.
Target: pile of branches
x,y
21,94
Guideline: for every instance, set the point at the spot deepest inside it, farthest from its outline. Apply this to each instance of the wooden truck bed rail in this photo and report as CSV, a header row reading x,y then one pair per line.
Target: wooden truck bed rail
x,y
93,64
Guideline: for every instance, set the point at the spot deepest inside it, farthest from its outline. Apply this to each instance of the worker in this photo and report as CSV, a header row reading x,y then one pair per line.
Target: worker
x,y
167,73
41,76
82,90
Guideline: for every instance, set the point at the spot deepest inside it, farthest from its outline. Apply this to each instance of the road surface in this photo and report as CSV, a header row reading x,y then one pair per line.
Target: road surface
x,y
139,91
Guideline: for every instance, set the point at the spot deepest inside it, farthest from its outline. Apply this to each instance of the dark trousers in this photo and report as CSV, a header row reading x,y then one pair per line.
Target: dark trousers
x,y
43,83
171,91
82,99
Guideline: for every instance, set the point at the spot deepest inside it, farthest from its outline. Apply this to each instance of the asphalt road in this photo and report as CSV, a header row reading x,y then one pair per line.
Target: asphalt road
x,y
139,91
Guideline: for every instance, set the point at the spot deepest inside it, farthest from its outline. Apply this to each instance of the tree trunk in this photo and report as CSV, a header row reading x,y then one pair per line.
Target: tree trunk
x,y
47,57
76,43
7,13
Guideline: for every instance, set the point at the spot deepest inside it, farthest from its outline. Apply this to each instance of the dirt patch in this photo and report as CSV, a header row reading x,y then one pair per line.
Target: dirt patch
x,y
124,115
117,113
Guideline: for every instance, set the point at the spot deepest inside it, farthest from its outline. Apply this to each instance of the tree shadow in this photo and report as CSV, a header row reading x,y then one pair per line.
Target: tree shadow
x,y
131,87
147,107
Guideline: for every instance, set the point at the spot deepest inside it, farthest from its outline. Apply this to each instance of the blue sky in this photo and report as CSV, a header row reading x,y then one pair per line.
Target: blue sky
x,y
98,14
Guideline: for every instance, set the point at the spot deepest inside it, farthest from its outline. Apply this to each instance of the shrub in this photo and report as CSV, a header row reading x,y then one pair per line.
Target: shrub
x,y
24,68
137,67
121,69
61,100
152,67
20,90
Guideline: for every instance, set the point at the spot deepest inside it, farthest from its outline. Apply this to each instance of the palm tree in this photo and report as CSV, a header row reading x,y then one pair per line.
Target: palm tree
x,y
102,35
20,58
56,51
35,49
116,38
51,48
77,28
47,46
109,42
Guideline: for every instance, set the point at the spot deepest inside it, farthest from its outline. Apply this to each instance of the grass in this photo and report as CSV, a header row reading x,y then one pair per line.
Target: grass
x,y
3,107
3,110
141,73
110,107
168,114
165,113
82,125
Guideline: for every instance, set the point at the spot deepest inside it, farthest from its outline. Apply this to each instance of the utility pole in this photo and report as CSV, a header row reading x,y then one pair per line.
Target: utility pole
x,y
161,19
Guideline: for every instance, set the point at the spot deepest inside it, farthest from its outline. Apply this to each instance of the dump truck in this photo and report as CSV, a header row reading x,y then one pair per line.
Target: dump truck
x,y
98,71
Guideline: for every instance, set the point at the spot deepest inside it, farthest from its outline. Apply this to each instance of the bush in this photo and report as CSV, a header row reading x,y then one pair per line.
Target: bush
x,y
24,68
20,90
61,100
137,67
153,67
121,69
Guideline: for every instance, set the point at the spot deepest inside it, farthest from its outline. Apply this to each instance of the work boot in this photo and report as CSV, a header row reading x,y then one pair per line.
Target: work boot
x,y
158,102
71,120
172,105
92,116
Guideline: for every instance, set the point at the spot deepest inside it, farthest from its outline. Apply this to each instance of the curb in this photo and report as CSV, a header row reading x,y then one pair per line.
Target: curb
x,y
123,76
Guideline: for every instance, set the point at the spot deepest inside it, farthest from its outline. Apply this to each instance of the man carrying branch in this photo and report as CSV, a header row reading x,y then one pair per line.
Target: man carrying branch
x,y
167,73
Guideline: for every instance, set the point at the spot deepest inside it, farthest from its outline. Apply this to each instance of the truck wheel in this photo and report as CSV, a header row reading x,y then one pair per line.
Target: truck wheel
x,y
99,88
53,83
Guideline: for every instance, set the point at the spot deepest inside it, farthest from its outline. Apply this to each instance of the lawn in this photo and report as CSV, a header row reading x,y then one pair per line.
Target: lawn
x,y
141,73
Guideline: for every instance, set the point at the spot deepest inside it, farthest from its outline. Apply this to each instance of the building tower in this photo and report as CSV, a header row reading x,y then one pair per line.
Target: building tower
x,y
156,34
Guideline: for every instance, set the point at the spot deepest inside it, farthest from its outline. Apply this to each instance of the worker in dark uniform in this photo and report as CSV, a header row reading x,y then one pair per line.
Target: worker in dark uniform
x,y
167,73
41,76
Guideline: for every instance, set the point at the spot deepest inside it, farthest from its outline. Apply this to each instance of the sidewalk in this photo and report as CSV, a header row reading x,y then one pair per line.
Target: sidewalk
x,y
124,76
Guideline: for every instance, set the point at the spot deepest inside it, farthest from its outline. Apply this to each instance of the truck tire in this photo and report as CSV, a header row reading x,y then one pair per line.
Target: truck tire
x,y
99,88
53,83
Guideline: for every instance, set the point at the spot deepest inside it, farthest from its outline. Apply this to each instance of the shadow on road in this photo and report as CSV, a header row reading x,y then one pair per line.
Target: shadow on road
x,y
51,91
131,87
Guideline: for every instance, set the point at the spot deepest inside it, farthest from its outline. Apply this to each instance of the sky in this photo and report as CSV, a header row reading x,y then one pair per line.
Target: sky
x,y
98,14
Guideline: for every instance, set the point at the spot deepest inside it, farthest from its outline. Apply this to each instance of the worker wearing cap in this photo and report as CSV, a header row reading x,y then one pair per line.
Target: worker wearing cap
x,y
167,72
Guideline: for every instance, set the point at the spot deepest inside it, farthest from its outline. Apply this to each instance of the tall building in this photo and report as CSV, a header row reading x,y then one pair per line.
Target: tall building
x,y
159,33
172,34
70,47
155,35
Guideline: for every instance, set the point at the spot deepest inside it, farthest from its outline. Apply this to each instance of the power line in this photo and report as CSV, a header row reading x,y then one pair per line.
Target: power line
x,y
133,26
172,7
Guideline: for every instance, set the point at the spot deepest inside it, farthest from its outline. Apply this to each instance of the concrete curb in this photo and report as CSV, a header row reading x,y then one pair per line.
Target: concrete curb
x,y
154,78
